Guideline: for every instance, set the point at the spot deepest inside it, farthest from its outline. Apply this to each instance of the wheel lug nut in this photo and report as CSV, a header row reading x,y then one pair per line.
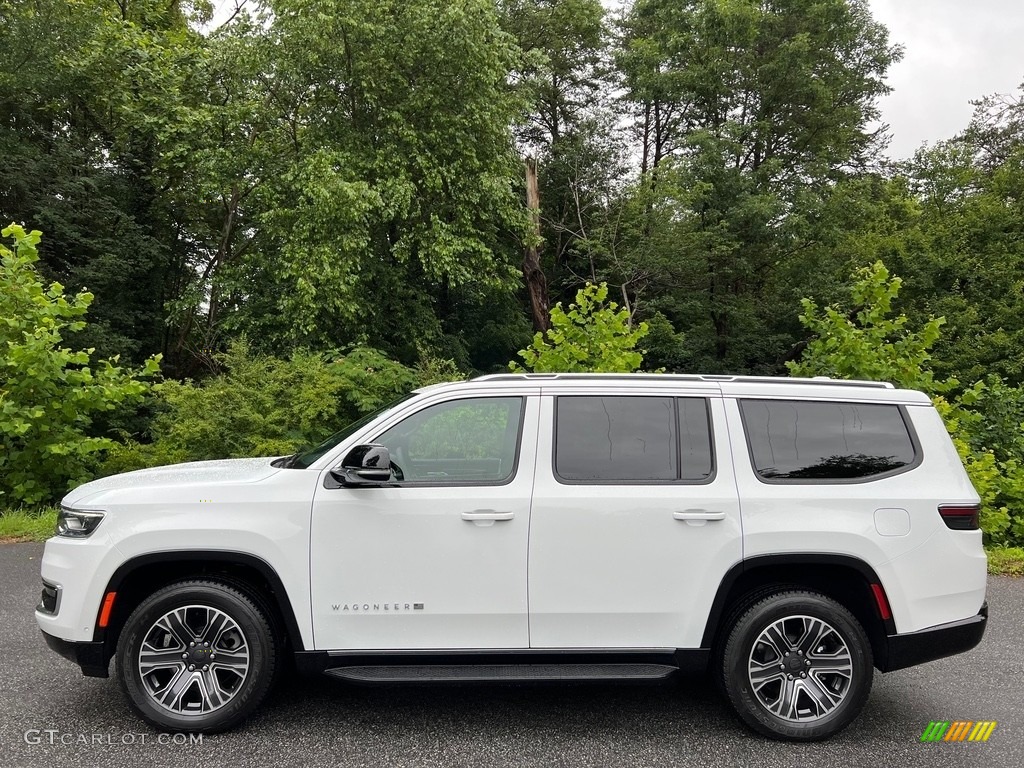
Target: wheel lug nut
x,y
800,653
184,655
803,674
205,667
206,644
214,656
192,645
191,667
807,662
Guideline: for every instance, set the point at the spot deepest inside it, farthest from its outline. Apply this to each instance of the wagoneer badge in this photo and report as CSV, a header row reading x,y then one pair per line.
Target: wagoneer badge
x,y
379,607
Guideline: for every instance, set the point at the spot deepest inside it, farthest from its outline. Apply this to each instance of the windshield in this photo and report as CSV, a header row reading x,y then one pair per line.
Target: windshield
x,y
303,459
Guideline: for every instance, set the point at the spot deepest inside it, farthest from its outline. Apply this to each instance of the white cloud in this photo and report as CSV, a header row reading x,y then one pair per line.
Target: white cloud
x,y
955,51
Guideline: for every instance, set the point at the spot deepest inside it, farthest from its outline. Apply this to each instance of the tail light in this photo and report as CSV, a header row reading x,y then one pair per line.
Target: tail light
x,y
960,517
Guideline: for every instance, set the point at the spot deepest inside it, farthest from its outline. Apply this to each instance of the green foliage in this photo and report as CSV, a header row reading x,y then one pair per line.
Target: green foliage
x,y
561,42
592,336
746,115
863,341
971,266
266,406
49,393
101,103
394,197
974,418
866,343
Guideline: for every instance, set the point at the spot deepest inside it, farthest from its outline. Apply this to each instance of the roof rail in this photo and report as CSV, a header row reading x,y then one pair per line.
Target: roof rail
x,y
682,377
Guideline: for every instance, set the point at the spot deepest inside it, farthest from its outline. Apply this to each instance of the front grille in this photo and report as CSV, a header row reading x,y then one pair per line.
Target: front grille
x,y
50,600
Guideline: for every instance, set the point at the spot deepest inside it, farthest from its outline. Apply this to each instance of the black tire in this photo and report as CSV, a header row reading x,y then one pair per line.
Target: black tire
x,y
797,666
181,684
284,661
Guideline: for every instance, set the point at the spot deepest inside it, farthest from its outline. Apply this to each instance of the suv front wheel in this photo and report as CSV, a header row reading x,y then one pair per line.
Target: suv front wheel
x,y
797,665
196,656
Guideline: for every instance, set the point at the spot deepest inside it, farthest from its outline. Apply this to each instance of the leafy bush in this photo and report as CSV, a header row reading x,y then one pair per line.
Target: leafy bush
x,y
984,420
864,342
593,336
268,406
49,393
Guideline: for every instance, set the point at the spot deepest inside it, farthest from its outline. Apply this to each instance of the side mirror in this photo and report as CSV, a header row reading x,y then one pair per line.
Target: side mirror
x,y
364,465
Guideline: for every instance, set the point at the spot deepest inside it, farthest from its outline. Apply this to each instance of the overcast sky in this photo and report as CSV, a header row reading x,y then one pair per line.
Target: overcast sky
x,y
955,51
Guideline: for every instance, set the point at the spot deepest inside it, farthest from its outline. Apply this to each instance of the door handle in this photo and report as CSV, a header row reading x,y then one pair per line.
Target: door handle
x,y
487,514
698,514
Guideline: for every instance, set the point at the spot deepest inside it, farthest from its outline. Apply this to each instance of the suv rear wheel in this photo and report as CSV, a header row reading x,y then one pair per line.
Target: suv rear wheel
x,y
797,665
196,656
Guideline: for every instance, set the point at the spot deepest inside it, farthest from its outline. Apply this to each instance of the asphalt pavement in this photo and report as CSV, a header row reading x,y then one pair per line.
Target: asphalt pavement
x,y
51,716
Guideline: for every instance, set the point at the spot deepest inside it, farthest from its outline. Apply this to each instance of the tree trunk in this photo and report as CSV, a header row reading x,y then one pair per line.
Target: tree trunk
x,y
536,283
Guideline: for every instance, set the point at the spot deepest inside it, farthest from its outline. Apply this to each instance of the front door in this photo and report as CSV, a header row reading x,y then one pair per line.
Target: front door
x,y
437,558
635,519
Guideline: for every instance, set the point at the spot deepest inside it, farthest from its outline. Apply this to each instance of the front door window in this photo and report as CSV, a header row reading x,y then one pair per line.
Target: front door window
x,y
471,441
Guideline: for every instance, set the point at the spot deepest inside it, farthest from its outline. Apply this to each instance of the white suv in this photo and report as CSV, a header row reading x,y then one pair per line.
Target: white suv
x,y
790,535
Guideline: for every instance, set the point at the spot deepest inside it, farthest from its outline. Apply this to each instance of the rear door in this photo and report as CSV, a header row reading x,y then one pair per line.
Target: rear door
x,y
635,519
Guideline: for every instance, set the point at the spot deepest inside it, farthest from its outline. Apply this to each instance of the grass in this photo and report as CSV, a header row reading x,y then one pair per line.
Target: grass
x,y
27,524
1006,561
38,525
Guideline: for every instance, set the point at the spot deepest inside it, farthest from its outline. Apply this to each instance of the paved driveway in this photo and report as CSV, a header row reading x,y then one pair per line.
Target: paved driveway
x,y
321,723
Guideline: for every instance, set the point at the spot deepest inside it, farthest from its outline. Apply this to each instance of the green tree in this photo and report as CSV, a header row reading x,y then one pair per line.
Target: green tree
x,y
747,114
98,101
863,340
593,336
971,193
49,393
394,205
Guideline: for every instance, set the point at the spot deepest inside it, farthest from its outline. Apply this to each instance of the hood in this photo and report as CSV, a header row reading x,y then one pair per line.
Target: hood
x,y
221,471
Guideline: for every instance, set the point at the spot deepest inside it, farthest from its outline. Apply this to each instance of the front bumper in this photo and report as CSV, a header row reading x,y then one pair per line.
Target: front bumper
x,y
90,656
933,643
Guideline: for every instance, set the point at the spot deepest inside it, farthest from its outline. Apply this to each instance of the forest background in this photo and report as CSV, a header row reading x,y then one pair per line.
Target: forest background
x,y
255,231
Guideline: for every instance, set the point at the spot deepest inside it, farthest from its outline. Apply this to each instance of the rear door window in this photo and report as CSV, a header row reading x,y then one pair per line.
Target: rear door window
x,y
624,439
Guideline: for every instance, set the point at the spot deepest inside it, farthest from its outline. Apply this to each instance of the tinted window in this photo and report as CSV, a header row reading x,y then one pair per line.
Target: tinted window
x,y
631,439
472,440
694,438
792,440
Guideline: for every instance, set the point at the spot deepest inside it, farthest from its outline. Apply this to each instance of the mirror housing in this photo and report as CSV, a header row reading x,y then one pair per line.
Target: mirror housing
x,y
364,465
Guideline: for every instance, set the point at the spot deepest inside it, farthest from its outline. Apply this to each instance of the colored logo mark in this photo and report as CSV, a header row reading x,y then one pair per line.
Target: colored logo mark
x,y
958,730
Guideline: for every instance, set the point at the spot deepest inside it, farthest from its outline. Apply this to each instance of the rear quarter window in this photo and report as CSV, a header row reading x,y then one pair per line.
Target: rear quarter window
x,y
808,442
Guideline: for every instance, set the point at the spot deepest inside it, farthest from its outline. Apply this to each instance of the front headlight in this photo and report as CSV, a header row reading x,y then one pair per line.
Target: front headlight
x,y
78,523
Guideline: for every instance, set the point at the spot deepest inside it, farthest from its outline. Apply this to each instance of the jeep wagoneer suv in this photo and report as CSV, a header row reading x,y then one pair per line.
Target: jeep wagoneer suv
x,y
790,535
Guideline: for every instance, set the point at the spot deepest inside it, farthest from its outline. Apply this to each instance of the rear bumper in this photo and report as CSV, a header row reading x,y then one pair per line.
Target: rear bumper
x,y
933,643
90,656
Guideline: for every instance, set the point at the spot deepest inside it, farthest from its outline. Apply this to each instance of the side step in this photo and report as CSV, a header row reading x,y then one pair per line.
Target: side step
x,y
478,673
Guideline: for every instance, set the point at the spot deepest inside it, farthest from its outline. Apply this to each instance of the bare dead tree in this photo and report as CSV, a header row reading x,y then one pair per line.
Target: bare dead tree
x,y
536,282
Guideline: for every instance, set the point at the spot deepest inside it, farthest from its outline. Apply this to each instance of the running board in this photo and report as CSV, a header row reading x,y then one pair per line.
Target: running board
x,y
479,673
